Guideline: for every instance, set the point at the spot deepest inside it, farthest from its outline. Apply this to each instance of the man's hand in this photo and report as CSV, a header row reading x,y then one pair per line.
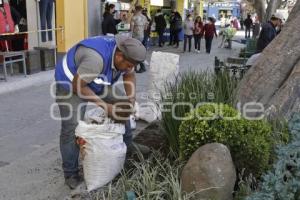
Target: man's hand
x,y
120,111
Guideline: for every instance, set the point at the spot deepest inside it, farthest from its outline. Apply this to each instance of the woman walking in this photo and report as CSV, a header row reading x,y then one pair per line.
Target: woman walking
x,y
188,32
209,31
198,27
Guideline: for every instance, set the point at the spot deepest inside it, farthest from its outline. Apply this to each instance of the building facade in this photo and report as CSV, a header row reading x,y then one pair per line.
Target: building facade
x,y
226,9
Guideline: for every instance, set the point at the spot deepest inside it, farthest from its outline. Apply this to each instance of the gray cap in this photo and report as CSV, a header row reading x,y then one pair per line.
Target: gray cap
x,y
132,48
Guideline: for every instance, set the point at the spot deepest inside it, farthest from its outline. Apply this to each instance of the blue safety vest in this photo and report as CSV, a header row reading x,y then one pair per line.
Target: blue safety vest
x,y
66,68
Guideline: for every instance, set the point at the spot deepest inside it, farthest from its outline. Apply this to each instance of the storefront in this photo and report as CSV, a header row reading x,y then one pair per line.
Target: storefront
x,y
67,22
22,24
226,9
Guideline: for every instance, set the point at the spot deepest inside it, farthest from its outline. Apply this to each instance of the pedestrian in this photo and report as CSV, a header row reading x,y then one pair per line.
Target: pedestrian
x,y
188,28
109,23
242,23
198,26
160,26
147,31
228,33
172,28
256,28
222,21
177,28
138,25
88,73
269,32
209,31
235,23
248,25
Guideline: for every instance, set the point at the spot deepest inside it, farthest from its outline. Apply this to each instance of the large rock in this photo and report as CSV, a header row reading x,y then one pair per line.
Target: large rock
x,y
210,173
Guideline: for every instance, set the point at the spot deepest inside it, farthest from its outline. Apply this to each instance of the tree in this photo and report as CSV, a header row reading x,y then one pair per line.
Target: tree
x,y
274,80
264,13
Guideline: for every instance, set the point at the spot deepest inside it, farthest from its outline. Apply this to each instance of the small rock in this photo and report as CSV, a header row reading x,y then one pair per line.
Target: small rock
x,y
210,173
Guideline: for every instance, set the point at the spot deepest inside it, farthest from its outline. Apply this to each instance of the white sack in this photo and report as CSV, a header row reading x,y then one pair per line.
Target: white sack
x,y
104,152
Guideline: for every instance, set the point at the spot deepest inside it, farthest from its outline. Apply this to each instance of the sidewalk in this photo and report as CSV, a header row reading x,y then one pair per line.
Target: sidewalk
x,y
188,61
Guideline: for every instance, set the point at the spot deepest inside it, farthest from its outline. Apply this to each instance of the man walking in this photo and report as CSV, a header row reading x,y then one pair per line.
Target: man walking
x,y
138,25
160,24
248,25
87,74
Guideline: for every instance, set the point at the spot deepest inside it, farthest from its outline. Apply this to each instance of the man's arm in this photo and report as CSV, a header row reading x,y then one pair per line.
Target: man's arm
x,y
81,88
132,24
90,65
130,86
215,31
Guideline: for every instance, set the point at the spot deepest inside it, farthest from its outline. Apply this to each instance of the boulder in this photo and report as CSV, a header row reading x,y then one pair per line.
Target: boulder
x,y
210,173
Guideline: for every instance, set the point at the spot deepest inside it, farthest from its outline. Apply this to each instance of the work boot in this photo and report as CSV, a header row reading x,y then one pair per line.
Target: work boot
x,y
137,148
142,68
73,181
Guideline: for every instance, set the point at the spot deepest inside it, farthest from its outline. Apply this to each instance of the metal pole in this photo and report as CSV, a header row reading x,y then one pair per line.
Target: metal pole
x,y
38,20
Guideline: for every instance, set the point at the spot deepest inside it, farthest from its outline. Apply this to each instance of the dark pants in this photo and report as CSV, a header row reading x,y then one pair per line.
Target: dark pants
x,y
197,41
161,41
208,43
176,37
247,32
46,12
72,108
187,38
172,37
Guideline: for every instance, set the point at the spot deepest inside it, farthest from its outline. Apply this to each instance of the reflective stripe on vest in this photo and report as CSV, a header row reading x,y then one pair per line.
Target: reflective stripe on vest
x,y
68,73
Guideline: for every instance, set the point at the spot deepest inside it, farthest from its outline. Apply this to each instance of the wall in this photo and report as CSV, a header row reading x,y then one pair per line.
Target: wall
x,y
72,16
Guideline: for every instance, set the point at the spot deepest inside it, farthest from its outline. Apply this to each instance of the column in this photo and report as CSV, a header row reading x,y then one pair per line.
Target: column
x,y
72,17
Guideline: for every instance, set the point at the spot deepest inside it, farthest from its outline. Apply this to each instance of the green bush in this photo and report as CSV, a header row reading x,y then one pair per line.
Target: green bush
x,y
283,181
249,141
207,86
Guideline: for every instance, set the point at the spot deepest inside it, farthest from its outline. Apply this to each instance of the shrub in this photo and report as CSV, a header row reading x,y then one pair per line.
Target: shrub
x,y
283,181
208,87
249,141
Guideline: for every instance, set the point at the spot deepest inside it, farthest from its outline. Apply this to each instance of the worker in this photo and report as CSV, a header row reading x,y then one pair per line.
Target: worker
x,y
88,73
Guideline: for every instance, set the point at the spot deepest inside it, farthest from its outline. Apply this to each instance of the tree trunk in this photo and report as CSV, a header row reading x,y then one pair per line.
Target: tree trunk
x,y
260,8
274,80
273,5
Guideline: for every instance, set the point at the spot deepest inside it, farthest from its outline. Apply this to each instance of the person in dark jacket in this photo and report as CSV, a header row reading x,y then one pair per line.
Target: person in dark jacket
x,y
268,32
209,30
109,22
248,25
172,21
161,24
177,27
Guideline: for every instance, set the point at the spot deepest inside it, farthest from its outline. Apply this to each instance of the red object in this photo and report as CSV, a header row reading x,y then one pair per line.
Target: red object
x,y
81,141
26,42
6,19
198,27
209,30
